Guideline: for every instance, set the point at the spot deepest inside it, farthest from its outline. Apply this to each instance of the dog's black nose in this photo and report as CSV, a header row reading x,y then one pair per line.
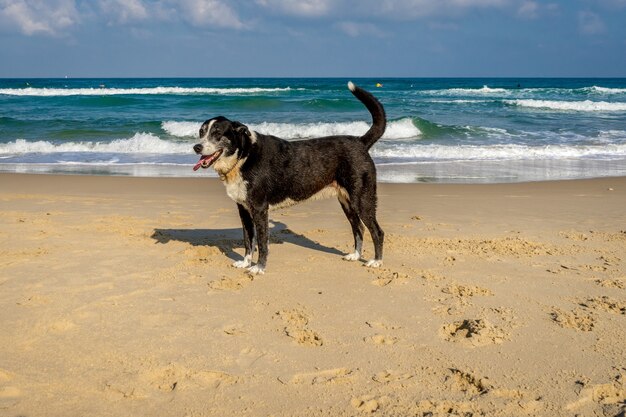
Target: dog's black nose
x,y
197,148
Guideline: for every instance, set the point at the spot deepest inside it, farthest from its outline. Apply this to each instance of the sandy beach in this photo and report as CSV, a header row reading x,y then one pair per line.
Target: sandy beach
x,y
118,298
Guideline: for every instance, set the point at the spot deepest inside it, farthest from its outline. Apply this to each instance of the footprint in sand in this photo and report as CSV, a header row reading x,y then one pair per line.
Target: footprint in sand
x,y
125,385
326,376
467,382
473,333
294,317
610,396
387,377
604,303
368,403
380,339
249,356
305,337
382,325
164,380
386,277
296,326
612,283
202,255
446,408
459,297
230,284
431,276
577,319
462,291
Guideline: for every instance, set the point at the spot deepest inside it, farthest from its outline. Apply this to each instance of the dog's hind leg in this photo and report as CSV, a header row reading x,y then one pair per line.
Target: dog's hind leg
x,y
365,206
378,237
261,226
357,229
249,238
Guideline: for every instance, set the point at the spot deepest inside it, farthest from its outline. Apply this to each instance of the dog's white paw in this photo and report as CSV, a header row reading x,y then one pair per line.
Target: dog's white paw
x,y
256,270
374,263
354,256
244,263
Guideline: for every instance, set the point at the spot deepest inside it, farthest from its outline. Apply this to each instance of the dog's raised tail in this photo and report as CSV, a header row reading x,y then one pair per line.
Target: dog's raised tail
x,y
379,120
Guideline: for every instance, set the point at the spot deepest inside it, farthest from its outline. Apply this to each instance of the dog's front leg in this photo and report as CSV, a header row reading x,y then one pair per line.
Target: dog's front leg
x,y
260,220
248,237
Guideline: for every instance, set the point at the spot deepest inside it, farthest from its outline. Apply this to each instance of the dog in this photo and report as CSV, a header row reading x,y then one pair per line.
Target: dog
x,y
263,172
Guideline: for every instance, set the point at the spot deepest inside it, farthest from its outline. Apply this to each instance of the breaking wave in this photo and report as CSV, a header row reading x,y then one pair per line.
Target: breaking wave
x,y
149,144
487,91
584,106
484,91
53,92
498,152
399,129
604,90
140,143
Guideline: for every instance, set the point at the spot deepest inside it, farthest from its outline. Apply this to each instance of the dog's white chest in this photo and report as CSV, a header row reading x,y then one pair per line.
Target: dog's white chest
x,y
237,189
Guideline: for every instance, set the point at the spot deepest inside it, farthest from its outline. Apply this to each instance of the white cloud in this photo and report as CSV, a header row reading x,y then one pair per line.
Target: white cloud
x,y
50,17
394,9
477,3
210,13
528,9
408,9
205,13
124,10
305,8
32,17
590,23
355,29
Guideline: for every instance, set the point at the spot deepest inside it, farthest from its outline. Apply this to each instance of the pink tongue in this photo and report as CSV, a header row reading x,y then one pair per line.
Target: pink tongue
x,y
199,164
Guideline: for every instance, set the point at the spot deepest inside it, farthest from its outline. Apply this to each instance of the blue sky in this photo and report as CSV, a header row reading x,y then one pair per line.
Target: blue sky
x,y
316,38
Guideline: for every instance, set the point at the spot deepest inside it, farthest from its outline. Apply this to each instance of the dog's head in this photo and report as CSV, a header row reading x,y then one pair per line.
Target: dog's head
x,y
222,143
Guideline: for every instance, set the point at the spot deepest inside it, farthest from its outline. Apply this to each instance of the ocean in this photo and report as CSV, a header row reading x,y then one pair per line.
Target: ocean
x,y
482,130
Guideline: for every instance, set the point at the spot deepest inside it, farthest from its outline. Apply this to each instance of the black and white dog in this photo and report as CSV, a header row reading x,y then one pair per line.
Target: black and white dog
x,y
262,172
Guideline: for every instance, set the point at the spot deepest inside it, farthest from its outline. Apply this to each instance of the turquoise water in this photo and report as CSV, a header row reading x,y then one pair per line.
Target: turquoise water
x,y
441,130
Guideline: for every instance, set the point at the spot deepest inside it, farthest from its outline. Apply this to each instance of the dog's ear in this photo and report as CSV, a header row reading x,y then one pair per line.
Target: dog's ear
x,y
241,128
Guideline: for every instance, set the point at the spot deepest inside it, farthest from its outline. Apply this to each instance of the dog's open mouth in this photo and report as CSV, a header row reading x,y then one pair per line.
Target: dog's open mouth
x,y
207,160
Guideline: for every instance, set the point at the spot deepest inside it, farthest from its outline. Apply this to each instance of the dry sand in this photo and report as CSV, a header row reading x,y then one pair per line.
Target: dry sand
x,y
117,298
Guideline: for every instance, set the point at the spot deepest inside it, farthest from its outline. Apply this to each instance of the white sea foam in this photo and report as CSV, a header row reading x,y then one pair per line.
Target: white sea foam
x,y
181,129
140,143
586,106
400,129
605,90
461,101
50,92
310,130
509,92
146,144
484,91
498,152
104,162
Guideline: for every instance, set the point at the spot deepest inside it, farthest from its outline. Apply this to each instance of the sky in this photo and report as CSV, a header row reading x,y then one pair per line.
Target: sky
x,y
312,38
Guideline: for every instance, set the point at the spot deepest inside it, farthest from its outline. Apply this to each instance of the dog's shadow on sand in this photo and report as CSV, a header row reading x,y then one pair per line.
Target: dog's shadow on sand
x,y
226,240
